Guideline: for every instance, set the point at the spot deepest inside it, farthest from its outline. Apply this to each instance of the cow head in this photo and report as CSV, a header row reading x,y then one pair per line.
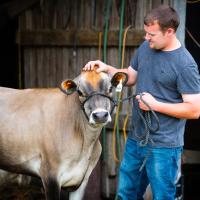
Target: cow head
x,y
95,94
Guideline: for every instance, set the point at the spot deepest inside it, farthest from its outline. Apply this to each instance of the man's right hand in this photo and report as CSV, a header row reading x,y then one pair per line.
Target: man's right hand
x,y
102,67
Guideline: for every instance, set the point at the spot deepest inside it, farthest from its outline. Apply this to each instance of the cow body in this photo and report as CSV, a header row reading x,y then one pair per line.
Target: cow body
x,y
45,133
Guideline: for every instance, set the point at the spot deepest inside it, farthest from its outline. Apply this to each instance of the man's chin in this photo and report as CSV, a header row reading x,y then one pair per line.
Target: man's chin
x,y
151,45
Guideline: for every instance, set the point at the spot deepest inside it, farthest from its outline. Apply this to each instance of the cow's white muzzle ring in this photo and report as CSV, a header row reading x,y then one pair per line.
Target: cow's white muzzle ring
x,y
114,103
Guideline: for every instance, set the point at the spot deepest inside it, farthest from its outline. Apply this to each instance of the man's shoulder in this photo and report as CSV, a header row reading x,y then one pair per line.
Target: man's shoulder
x,y
144,45
186,57
144,48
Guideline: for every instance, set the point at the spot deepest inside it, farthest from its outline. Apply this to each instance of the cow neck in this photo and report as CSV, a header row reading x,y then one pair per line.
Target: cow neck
x,y
92,131
84,118
90,136
81,115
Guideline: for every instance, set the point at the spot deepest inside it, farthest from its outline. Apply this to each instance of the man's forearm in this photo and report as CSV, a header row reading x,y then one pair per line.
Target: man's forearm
x,y
179,110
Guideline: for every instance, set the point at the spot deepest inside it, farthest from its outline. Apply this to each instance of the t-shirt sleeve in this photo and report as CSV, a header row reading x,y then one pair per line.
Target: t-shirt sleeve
x,y
189,80
137,56
134,61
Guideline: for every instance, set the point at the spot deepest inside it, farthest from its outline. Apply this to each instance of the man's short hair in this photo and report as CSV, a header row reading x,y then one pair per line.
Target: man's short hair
x,y
165,16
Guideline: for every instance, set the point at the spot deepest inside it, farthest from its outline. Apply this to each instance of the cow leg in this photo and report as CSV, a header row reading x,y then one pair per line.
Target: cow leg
x,y
51,187
79,193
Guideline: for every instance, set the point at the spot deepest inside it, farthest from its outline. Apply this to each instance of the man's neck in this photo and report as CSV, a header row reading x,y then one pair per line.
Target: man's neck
x,y
173,45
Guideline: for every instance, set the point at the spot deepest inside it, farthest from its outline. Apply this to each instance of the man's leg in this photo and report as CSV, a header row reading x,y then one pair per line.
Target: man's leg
x,y
162,168
129,175
144,182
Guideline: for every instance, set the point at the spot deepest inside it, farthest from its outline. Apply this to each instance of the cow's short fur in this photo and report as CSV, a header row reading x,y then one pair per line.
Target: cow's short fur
x,y
45,133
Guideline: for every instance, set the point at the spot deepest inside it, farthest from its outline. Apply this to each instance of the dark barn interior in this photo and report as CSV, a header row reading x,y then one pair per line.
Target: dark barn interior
x,y
8,49
191,170
25,62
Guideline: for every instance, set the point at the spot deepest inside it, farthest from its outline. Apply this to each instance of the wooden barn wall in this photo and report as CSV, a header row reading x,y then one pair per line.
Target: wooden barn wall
x,y
57,37
46,63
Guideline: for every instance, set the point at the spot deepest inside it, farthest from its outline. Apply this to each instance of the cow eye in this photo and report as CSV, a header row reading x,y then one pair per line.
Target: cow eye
x,y
110,89
79,93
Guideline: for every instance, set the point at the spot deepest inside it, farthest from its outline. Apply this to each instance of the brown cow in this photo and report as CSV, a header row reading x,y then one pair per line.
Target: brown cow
x,y
53,134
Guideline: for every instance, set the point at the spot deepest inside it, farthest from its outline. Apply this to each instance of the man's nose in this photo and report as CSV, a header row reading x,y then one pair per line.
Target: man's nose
x,y
147,37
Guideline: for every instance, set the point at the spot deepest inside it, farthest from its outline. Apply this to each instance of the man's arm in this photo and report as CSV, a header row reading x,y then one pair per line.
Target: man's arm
x,y
188,109
102,67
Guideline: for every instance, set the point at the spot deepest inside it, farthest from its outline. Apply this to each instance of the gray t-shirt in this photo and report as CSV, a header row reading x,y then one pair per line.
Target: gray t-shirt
x,y
166,75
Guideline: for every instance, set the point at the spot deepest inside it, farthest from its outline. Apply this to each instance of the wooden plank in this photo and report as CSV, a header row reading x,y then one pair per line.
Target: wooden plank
x,y
139,15
27,62
15,7
59,66
180,6
40,67
83,38
155,3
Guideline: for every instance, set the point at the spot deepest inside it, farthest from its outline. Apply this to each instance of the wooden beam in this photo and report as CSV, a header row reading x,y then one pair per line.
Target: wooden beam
x,y
79,38
15,7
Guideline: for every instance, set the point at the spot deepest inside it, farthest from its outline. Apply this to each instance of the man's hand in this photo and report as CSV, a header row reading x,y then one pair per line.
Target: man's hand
x,y
102,67
148,99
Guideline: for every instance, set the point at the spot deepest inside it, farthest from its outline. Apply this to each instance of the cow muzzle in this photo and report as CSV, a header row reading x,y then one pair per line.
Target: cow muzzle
x,y
100,116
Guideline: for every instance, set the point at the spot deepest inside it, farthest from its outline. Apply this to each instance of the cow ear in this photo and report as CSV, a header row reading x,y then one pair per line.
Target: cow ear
x,y
68,87
119,78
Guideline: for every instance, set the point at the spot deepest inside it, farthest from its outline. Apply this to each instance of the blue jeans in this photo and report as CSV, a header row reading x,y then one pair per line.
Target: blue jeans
x,y
161,167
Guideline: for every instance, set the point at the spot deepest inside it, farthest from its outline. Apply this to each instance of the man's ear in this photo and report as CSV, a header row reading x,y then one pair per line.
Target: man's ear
x,y
119,78
68,87
170,31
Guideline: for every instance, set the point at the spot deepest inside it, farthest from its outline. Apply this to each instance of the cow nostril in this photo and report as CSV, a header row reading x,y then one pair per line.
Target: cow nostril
x,y
100,116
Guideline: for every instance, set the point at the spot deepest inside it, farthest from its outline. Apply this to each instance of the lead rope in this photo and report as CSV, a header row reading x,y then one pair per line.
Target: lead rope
x,y
148,127
147,121
147,138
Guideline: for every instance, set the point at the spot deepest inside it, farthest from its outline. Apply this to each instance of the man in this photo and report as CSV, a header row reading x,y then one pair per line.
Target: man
x,y
167,79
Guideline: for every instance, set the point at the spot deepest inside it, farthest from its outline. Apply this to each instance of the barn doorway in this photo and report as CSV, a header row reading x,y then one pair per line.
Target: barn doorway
x,y
191,170
192,41
8,52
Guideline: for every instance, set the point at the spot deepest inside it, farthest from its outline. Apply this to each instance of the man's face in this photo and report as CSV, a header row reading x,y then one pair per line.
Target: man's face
x,y
156,38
